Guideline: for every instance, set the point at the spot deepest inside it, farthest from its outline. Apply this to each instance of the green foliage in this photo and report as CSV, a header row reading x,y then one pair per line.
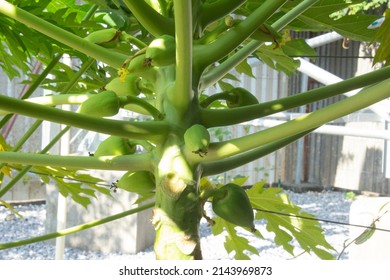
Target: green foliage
x,y
204,52
233,241
78,185
283,218
317,18
271,204
382,35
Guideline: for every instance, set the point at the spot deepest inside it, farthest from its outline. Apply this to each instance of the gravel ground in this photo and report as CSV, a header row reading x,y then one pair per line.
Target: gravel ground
x,y
329,205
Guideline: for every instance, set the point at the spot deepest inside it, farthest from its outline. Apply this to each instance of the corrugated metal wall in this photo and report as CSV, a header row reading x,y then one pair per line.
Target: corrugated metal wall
x,y
354,163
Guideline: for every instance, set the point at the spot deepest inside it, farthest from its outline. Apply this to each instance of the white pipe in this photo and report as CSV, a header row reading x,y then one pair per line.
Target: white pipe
x,y
324,39
327,78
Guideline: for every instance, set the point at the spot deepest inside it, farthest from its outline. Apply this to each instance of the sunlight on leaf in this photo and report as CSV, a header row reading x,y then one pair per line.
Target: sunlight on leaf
x,y
269,202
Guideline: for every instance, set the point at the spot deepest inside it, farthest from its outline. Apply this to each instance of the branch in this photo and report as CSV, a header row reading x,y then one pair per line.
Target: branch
x,y
214,118
61,99
230,63
155,23
93,50
75,228
204,55
361,100
146,130
219,166
134,162
183,87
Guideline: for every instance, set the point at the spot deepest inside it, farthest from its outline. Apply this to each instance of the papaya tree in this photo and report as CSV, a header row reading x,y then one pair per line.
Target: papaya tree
x,y
157,58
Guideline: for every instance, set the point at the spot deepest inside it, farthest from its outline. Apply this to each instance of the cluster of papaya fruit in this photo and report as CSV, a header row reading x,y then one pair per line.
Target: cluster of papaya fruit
x,y
134,85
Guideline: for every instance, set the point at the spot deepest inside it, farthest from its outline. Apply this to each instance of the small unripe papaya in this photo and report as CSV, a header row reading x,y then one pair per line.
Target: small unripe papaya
x,y
232,204
126,86
115,146
106,37
240,97
139,64
197,139
103,104
162,51
140,182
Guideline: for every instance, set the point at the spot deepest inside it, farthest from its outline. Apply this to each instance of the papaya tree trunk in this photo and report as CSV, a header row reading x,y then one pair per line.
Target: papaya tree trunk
x,y
177,213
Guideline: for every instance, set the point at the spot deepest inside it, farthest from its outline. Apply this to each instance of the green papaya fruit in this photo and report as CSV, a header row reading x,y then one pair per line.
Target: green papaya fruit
x,y
240,97
140,182
229,21
103,104
162,51
141,66
115,146
197,139
232,204
106,37
126,86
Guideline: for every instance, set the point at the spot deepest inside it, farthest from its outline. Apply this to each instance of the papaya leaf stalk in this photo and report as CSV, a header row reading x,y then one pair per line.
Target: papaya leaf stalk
x,y
75,228
215,118
364,98
152,130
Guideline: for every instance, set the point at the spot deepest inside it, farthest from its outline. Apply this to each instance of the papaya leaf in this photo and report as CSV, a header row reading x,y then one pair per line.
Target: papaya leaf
x,y
239,180
75,191
307,232
277,59
383,52
353,27
245,68
233,242
298,47
365,235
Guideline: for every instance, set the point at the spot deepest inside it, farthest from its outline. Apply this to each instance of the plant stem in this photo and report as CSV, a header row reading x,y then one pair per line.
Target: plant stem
x,y
75,228
155,23
28,167
24,138
214,118
219,166
176,217
149,130
104,55
225,67
361,100
204,55
155,113
183,36
127,162
293,14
